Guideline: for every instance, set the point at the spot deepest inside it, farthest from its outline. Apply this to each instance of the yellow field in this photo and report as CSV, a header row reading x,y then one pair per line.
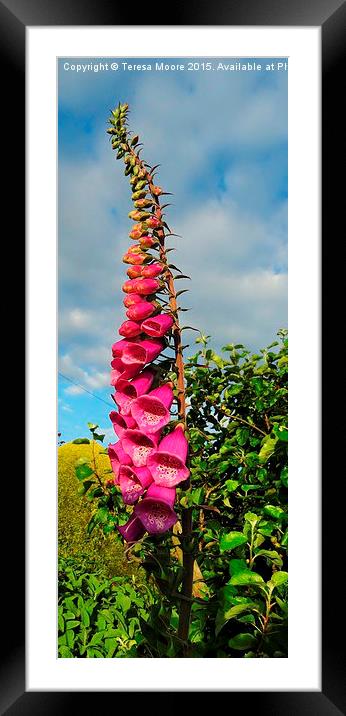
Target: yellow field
x,y
75,511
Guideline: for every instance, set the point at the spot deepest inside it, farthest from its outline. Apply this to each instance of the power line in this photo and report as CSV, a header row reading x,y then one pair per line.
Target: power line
x,y
85,389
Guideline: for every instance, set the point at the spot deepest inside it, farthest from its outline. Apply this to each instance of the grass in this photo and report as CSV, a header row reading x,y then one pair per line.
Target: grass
x,y
74,513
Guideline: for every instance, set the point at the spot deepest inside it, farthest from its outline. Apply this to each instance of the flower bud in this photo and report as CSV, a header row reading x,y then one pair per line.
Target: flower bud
x,y
152,270
146,242
136,259
156,190
134,271
139,195
143,203
131,299
143,286
153,222
141,310
130,329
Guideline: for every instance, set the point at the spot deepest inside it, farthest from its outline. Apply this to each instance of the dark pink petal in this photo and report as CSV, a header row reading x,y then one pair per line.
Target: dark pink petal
x,y
130,329
151,411
124,371
175,443
165,494
138,446
118,457
152,270
143,286
156,512
141,310
130,489
133,530
157,325
131,299
121,422
139,474
140,351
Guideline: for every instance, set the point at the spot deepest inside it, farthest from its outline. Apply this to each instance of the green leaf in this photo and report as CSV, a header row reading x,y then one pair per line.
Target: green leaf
x,y
281,432
276,513
234,389
237,565
197,496
252,518
270,554
72,624
85,487
98,436
242,641
246,577
239,609
242,435
83,471
65,652
81,441
124,602
279,578
267,449
284,476
231,485
231,540
92,426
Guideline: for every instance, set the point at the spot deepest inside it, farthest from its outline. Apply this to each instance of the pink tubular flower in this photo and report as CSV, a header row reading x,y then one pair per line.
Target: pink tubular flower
x,y
122,371
129,391
141,474
151,411
152,270
143,286
133,530
138,446
131,489
155,511
134,271
141,351
130,329
118,456
121,422
119,346
131,299
140,310
167,464
157,326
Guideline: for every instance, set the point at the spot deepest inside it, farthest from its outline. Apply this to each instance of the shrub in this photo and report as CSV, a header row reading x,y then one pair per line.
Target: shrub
x,y
75,512
99,617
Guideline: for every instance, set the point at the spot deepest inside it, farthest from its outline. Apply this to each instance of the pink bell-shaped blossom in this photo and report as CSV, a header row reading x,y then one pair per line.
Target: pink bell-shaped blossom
x,y
152,270
141,351
132,298
119,346
129,391
130,488
157,326
139,446
140,310
143,286
133,530
130,329
139,474
151,411
155,511
124,371
118,456
121,422
167,464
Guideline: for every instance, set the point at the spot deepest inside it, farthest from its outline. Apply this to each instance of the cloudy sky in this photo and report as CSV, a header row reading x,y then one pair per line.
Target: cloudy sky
x,y
221,140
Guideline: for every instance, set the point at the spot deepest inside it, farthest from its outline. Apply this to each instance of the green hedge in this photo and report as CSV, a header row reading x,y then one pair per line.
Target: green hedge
x,y
74,512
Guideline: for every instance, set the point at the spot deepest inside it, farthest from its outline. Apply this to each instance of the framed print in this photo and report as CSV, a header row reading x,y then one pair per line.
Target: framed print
x,y
64,50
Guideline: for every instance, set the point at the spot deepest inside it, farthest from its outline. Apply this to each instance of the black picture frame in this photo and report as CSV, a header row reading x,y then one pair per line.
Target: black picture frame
x,y
330,15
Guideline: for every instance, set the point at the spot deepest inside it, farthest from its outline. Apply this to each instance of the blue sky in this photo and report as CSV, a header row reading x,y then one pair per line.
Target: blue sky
x,y
221,140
